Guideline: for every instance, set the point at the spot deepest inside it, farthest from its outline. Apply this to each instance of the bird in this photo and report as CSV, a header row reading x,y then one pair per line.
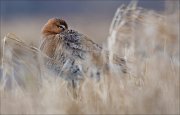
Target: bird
x,y
69,51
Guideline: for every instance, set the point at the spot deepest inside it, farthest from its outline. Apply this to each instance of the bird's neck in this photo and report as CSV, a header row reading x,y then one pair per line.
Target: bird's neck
x,y
48,36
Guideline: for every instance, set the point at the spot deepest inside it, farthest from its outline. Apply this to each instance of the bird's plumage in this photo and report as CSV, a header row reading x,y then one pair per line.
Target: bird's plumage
x,y
69,50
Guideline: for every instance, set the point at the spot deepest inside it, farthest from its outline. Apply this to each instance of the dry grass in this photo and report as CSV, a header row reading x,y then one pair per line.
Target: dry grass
x,y
147,40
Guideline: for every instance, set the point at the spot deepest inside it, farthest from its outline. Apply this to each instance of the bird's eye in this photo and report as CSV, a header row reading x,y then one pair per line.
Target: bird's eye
x,y
62,27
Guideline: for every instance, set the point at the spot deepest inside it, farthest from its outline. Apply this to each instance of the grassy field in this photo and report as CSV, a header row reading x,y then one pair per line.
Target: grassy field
x,y
149,42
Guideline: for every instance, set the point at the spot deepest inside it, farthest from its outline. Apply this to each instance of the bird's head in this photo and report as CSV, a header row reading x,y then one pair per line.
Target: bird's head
x,y
54,26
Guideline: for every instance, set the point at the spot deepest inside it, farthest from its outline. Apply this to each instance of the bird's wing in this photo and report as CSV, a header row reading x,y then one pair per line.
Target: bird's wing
x,y
90,45
78,41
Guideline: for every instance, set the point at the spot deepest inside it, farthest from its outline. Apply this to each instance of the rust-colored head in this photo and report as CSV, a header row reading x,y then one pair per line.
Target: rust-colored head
x,y
54,26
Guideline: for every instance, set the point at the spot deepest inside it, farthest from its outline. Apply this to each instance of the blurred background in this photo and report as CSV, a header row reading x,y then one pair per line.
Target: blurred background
x,y
25,18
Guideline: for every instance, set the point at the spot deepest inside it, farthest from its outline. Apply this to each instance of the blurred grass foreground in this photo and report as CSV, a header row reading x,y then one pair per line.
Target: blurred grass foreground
x,y
148,41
